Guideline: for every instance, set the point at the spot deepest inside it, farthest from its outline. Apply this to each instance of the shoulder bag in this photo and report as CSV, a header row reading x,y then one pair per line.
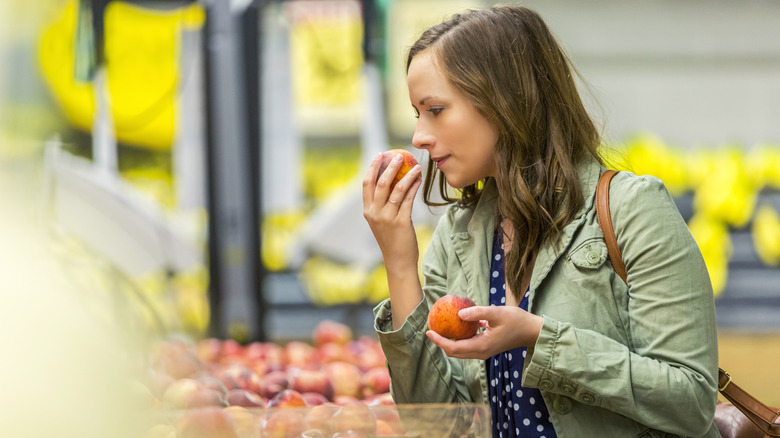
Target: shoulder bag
x,y
743,416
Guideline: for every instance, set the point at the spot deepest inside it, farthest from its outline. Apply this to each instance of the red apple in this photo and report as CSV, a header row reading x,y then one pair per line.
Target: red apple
x,y
331,331
288,398
376,381
284,423
345,377
208,422
408,163
311,381
245,398
443,317
355,417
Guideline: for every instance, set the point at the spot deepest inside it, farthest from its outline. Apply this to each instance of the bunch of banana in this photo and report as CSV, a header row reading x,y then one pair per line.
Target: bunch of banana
x,y
279,230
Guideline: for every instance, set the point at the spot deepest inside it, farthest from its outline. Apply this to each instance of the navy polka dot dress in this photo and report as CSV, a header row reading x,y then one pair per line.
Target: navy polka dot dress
x,y
516,411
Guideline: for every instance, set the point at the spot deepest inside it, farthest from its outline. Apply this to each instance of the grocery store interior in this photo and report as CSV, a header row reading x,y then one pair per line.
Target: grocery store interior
x,y
190,170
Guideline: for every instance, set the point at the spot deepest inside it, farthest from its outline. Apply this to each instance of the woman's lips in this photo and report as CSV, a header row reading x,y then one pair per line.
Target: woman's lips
x,y
439,161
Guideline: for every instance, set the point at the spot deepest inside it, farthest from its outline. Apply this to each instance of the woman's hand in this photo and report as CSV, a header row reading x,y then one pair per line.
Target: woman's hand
x,y
506,327
389,213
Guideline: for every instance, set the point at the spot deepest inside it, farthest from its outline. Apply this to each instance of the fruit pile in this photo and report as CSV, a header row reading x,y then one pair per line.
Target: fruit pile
x,y
335,386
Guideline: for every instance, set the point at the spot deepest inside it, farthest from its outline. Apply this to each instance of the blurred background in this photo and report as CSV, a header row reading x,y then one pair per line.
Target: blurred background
x,y
192,169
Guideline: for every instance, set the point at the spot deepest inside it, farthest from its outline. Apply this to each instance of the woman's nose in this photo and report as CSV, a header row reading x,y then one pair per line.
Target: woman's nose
x,y
421,138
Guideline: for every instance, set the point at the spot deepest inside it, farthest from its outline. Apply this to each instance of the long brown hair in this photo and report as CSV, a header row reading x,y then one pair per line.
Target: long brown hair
x,y
508,63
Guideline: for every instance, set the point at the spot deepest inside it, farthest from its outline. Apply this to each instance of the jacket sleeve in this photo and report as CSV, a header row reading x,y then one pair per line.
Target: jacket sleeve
x,y
420,372
666,377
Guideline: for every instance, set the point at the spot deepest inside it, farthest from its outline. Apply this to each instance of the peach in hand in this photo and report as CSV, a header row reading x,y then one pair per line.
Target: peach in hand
x,y
443,318
408,163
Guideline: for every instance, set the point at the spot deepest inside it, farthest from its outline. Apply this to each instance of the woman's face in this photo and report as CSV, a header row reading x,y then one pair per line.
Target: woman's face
x,y
459,139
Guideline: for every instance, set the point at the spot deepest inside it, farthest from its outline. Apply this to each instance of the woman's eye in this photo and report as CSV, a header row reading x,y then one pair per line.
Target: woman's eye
x,y
435,111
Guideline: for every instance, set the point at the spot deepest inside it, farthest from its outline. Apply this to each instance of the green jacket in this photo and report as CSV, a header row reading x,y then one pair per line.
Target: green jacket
x,y
611,360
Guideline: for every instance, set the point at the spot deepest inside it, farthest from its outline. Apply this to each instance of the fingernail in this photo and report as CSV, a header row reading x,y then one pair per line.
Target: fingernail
x,y
378,156
464,313
398,157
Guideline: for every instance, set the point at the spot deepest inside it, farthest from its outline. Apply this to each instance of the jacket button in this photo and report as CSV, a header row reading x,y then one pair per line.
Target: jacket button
x,y
587,398
592,257
562,405
546,385
567,388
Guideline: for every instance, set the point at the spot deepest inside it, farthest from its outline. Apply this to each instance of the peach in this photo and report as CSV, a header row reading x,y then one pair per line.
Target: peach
x,y
354,417
331,331
319,416
273,383
408,163
298,354
208,422
346,378
288,398
284,424
376,381
443,317
244,421
245,398
311,381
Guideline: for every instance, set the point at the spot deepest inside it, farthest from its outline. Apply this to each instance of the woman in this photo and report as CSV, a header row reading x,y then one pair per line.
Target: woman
x,y
567,349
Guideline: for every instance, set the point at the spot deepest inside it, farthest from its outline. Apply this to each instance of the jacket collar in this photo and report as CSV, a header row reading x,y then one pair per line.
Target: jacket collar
x,y
472,235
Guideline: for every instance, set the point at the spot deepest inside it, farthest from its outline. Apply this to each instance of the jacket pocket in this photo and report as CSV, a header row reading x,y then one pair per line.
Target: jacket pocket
x,y
590,254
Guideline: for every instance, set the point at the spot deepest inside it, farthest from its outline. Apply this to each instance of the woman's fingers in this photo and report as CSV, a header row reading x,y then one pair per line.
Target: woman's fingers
x,y
369,180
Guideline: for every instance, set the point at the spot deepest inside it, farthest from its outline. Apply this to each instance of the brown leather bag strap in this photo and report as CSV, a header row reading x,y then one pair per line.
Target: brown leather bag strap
x,y
605,222
767,419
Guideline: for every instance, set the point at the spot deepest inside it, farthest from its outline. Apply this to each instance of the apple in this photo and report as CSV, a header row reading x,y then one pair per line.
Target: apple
x,y
408,163
210,422
303,380
287,398
354,417
245,398
443,318
331,331
376,381
346,378
319,416
284,423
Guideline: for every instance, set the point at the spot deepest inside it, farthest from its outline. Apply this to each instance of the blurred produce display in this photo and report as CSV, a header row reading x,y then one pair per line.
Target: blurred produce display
x,y
725,183
144,75
332,385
